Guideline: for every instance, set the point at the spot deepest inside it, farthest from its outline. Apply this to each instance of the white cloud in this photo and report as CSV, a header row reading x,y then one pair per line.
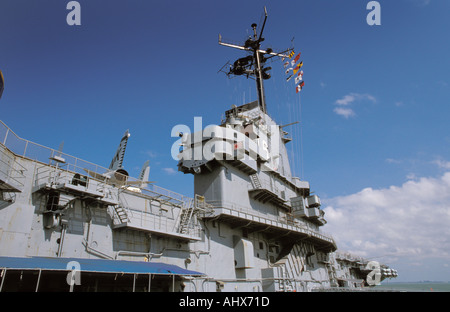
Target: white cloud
x,y
443,83
393,161
150,153
442,163
350,99
169,171
423,2
346,112
411,176
403,223
420,3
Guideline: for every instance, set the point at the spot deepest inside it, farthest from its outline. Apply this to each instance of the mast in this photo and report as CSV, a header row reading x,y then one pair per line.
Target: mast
x,y
258,69
252,65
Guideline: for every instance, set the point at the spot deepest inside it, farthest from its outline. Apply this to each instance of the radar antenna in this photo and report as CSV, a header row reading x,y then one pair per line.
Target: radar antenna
x,y
252,65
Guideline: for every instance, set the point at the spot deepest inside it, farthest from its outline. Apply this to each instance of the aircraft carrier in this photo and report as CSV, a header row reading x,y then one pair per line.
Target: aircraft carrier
x,y
67,224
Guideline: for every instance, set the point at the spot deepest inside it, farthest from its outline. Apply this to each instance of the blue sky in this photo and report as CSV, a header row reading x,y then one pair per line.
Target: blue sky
x,y
373,113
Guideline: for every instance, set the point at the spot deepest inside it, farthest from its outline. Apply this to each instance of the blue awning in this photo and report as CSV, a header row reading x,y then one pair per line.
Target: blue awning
x,y
93,265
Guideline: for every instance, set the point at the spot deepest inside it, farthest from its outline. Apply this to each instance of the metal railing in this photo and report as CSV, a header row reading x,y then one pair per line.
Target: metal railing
x,y
11,171
299,224
343,255
43,154
157,222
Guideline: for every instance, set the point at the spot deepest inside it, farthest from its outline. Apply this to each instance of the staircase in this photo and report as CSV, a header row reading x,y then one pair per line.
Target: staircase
x,y
332,275
289,267
121,214
255,181
185,216
285,280
121,211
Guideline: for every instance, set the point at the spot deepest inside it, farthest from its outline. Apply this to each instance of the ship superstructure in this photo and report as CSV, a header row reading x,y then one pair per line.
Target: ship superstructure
x,y
68,224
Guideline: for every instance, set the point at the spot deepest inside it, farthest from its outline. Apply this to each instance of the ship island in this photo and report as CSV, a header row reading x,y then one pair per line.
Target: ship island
x,y
69,225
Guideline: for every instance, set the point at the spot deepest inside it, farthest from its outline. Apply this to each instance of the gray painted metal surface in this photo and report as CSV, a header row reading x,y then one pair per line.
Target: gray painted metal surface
x,y
249,228
252,225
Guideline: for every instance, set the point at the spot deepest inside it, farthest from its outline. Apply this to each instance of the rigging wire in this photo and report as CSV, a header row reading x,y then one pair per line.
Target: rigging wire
x,y
300,129
295,115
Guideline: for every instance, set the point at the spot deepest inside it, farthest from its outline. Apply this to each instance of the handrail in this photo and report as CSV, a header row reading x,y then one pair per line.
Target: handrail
x,y
302,225
11,169
28,149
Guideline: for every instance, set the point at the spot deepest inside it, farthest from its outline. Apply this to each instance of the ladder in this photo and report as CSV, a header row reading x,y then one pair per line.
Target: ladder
x,y
185,217
284,279
255,181
121,210
121,214
332,275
